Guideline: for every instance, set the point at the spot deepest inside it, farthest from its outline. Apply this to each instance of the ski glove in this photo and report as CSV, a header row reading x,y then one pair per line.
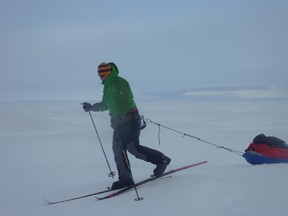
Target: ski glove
x,y
88,107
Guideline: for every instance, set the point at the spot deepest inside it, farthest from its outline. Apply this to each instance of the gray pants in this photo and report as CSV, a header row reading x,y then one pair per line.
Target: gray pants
x,y
126,138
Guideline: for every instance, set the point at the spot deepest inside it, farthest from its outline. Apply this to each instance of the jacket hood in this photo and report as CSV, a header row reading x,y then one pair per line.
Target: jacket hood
x,y
114,68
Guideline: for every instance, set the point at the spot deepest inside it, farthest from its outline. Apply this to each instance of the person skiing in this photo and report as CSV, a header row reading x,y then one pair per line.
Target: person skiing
x,y
126,122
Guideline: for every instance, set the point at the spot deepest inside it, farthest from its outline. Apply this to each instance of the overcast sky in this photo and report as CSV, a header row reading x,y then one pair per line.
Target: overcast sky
x,y
51,49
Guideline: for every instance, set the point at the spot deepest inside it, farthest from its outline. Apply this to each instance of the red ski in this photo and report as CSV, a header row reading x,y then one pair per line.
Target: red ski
x,y
149,180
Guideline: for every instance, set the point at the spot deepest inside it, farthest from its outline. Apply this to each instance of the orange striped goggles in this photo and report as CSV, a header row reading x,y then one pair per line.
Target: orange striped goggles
x,y
104,71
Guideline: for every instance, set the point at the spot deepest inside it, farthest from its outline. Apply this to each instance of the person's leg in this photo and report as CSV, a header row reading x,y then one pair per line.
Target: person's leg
x,y
144,153
130,132
122,163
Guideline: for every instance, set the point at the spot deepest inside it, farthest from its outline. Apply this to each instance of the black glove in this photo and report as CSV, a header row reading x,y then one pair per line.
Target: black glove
x,y
87,107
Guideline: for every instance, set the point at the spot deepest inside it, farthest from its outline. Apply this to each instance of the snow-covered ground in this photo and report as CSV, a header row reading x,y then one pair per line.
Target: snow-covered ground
x,y
50,150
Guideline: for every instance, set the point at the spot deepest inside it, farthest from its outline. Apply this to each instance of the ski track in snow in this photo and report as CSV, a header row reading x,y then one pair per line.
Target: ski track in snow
x,y
50,150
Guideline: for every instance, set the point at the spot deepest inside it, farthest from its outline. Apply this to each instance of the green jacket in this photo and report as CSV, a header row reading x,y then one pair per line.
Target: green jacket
x,y
117,94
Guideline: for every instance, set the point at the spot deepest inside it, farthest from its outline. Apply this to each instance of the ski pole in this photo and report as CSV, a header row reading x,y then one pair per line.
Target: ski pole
x,y
138,198
111,174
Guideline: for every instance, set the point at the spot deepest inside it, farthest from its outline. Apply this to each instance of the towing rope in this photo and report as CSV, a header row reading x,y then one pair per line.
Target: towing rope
x,y
191,136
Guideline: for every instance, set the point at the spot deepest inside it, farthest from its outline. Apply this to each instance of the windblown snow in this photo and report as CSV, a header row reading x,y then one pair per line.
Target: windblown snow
x,y
50,150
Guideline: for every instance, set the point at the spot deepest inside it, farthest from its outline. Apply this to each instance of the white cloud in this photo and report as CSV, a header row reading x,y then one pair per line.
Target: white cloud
x,y
271,92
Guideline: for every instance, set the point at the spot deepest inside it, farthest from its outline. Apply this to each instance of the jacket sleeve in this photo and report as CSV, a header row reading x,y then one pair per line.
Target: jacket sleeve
x,y
103,106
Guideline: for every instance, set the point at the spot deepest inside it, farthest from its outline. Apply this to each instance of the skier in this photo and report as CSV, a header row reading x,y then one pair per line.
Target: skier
x,y
126,122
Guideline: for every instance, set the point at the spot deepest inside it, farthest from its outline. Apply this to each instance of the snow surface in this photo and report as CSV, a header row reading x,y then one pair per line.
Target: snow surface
x,y
50,150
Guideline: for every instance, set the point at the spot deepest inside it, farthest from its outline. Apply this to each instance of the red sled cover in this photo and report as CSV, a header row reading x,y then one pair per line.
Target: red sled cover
x,y
266,149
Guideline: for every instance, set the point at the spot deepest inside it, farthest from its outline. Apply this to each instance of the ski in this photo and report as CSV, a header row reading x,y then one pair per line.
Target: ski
x,y
76,198
148,180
